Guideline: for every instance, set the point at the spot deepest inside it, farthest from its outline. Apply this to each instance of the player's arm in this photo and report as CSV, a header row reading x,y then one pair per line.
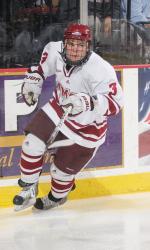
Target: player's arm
x,y
105,90
35,76
32,85
106,99
109,98
79,102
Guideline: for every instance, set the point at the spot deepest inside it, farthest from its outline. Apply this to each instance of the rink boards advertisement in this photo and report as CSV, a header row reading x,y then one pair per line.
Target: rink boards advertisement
x,y
144,116
126,149
15,114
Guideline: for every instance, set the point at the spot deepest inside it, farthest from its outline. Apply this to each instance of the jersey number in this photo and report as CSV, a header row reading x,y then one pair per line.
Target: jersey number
x,y
44,57
113,88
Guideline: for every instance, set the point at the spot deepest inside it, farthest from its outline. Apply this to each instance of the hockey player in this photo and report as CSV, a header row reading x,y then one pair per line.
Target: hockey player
x,y
86,82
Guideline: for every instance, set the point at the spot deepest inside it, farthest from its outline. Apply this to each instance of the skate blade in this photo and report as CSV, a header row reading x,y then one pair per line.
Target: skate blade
x,y
36,210
25,205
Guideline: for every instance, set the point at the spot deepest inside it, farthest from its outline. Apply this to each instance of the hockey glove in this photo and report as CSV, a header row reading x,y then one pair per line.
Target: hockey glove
x,y
80,102
32,86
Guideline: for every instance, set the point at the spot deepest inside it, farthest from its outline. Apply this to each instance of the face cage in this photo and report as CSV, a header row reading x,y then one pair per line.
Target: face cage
x,y
78,62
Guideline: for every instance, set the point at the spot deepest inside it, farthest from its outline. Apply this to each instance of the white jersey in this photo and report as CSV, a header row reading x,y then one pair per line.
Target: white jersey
x,y
96,78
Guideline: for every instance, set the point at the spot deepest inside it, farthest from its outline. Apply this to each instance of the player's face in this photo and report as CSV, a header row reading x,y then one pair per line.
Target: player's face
x,y
76,50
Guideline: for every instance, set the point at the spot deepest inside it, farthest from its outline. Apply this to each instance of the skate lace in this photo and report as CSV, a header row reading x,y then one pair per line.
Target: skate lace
x,y
47,203
29,192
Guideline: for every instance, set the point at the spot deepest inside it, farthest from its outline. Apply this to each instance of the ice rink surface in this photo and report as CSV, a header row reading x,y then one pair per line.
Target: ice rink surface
x,y
119,222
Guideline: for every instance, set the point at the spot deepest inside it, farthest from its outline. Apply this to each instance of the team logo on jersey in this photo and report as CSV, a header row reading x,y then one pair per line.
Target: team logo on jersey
x,y
61,91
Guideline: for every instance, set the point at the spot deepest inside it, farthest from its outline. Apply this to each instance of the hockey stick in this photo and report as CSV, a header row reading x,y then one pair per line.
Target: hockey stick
x,y
57,128
61,143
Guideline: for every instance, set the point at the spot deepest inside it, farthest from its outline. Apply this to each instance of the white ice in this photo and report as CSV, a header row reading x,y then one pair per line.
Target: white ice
x,y
119,222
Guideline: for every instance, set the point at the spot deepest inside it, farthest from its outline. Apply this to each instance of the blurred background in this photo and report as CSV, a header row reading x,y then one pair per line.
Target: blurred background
x,y
27,25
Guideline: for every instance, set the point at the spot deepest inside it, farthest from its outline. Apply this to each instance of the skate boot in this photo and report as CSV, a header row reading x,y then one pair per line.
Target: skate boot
x,y
27,197
49,202
46,203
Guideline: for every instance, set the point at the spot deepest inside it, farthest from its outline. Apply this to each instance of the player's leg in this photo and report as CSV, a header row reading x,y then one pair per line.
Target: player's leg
x,y
62,184
33,149
30,166
68,162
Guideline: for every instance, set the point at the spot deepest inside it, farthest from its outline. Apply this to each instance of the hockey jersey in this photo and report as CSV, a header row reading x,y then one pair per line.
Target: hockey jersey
x,y
96,78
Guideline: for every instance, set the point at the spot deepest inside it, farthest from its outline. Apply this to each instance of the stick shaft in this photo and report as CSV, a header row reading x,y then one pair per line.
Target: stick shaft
x,y
57,129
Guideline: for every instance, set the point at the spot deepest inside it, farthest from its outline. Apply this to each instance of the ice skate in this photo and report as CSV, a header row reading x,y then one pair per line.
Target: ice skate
x,y
45,203
27,197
